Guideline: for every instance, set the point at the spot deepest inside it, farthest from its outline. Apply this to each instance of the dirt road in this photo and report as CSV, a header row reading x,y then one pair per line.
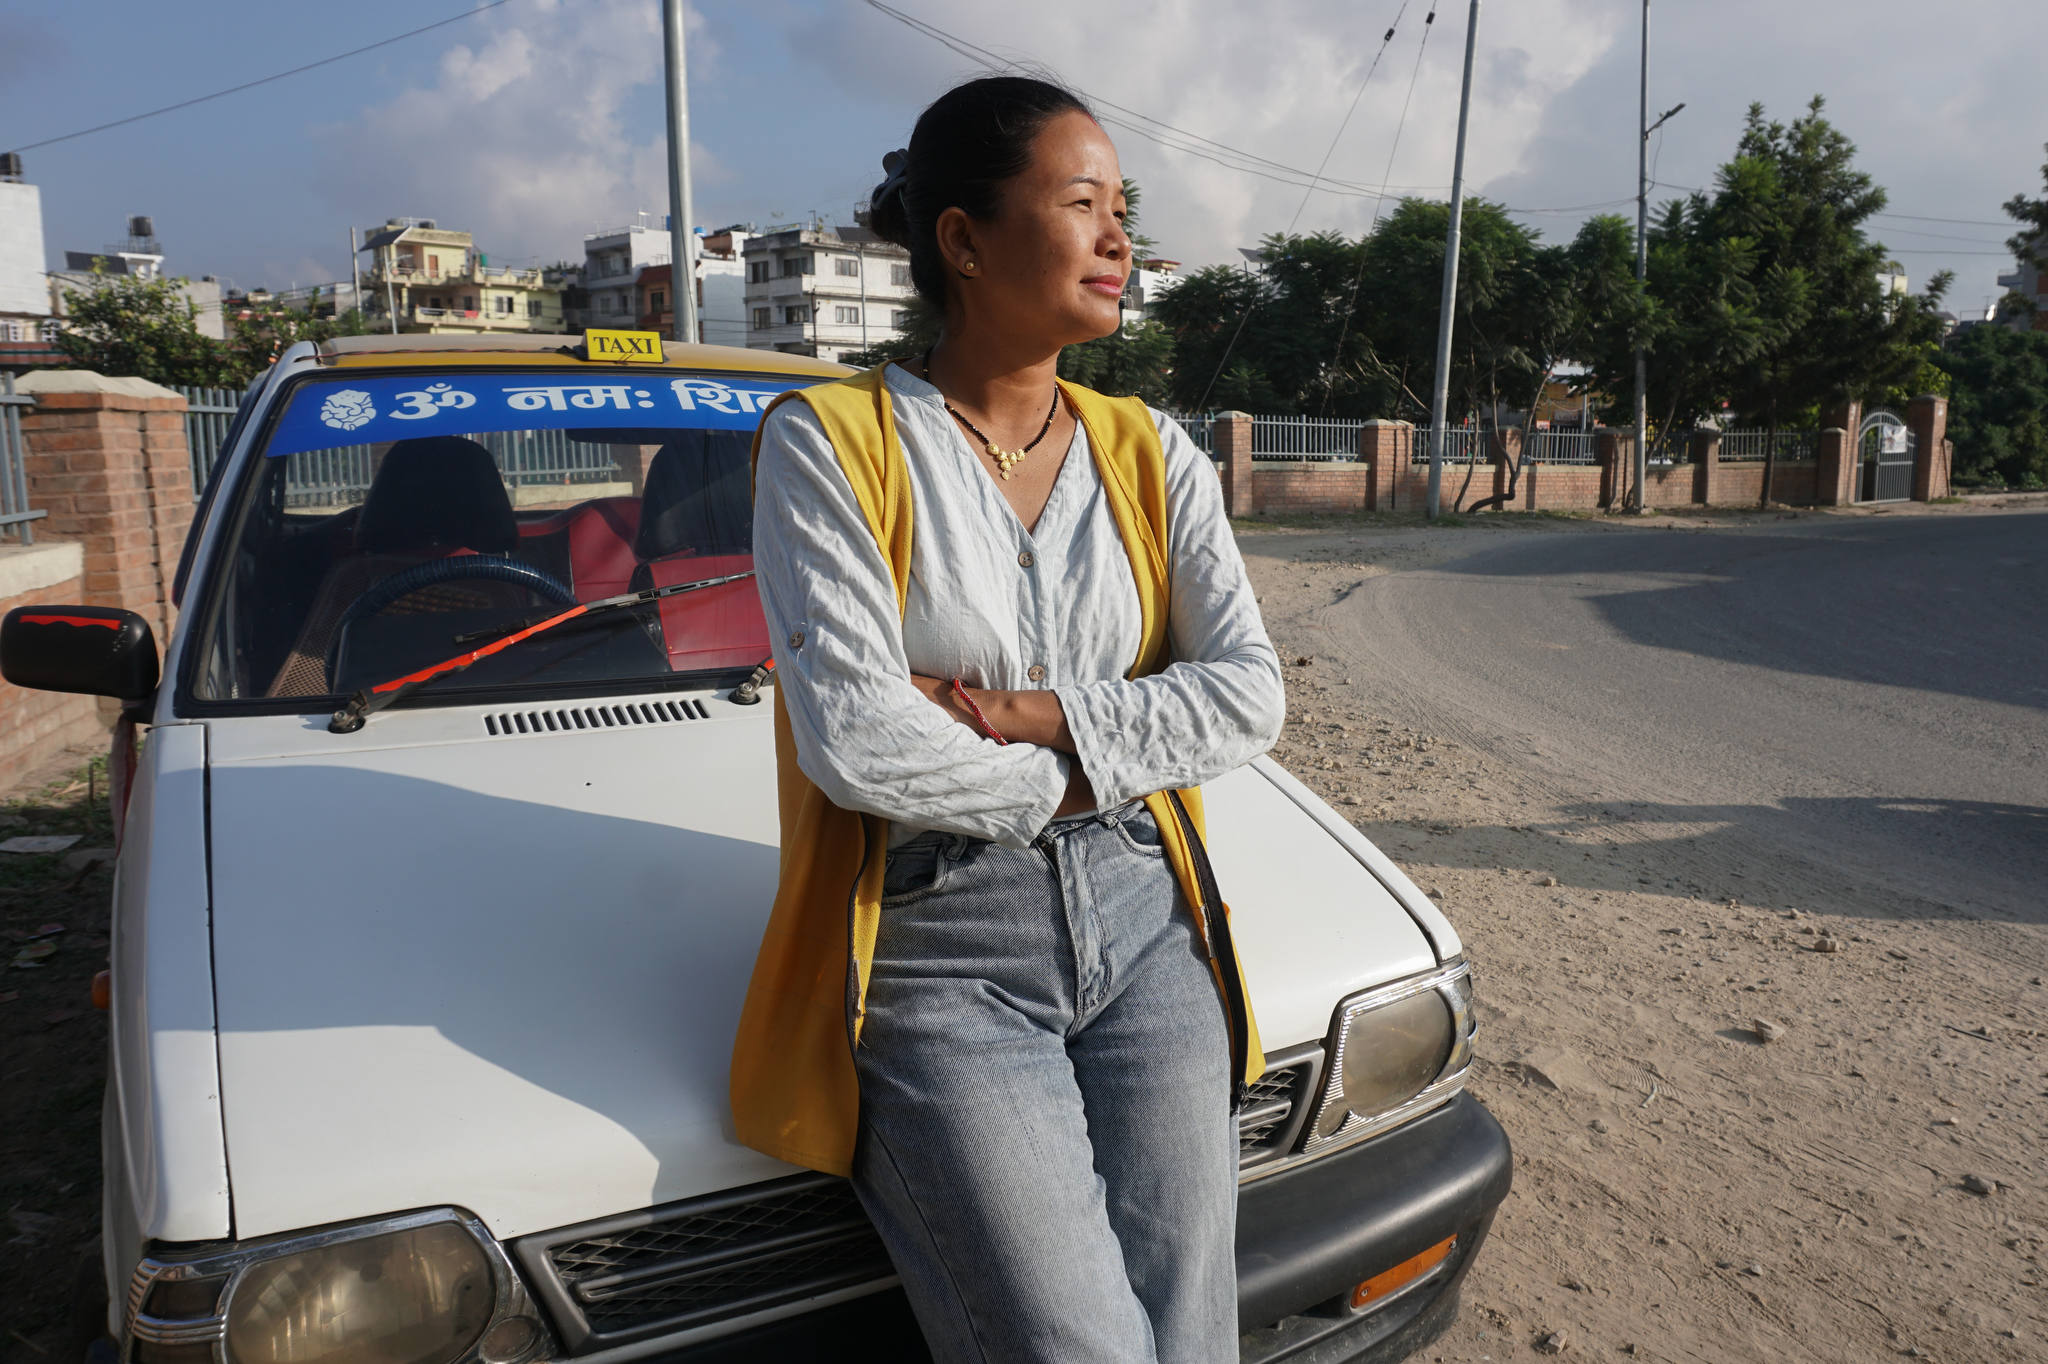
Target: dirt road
x,y
1756,908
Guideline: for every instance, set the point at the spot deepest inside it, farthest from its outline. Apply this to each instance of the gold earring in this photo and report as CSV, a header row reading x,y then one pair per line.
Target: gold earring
x,y
968,266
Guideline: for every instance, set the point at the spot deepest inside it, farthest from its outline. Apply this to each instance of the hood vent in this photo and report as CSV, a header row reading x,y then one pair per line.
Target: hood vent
x,y
567,719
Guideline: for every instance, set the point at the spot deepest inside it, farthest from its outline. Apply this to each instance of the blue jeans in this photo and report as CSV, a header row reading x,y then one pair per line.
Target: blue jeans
x,y
1046,1143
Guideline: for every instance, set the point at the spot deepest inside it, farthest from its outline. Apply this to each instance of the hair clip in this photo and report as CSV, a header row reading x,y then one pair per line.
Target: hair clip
x,y
894,167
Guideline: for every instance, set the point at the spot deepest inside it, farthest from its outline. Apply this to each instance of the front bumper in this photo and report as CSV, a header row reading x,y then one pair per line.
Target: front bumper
x,y
1305,1238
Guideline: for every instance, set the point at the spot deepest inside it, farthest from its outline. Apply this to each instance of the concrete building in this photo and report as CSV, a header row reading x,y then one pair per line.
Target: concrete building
x,y
139,256
721,290
2029,283
825,292
612,262
1150,280
433,279
24,289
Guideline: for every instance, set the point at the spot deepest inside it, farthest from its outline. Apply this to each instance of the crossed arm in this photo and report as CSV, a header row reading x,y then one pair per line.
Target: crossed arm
x,y
1022,717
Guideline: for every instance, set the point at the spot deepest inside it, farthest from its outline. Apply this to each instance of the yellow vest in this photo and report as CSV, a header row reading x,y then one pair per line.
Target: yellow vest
x,y
794,1091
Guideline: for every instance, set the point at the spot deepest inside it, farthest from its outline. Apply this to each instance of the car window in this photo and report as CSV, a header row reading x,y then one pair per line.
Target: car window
x,y
390,522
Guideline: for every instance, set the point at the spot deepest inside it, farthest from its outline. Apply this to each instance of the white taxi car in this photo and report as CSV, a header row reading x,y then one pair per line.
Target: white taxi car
x,y
449,837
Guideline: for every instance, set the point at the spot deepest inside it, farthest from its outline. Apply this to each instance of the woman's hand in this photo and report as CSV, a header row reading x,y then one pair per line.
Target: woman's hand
x,y
1022,717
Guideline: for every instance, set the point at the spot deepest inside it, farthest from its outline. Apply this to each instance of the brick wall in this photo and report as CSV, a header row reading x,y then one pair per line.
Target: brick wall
x,y
107,459
1562,487
35,726
1309,487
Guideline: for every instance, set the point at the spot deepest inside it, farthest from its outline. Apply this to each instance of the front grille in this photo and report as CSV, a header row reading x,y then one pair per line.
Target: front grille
x,y
708,1260
1269,1123
716,1259
556,720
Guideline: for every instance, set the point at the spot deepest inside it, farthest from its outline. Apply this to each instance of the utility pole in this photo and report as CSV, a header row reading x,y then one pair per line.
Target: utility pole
x,y
355,277
1642,453
1641,462
682,277
1440,395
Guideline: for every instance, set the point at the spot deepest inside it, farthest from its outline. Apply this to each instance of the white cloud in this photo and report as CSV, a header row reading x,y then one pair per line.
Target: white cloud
x,y
524,134
1274,81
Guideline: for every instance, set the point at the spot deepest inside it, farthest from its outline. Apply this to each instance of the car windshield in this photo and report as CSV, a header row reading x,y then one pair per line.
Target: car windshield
x,y
387,517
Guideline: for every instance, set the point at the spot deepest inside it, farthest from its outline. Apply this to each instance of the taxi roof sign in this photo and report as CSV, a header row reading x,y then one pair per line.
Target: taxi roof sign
x,y
633,348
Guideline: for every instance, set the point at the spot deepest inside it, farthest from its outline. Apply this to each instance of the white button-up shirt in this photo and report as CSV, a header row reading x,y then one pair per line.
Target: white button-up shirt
x,y
1001,607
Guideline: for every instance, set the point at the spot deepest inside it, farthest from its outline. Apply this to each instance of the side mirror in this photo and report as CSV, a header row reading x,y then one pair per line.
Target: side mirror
x,y
98,650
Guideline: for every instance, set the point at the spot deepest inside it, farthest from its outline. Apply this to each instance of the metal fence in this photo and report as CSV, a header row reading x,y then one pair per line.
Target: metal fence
x,y
15,514
1321,438
1462,445
1755,445
1559,447
208,414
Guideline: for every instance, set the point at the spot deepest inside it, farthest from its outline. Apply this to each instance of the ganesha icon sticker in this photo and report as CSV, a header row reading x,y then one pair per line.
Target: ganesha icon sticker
x,y
348,409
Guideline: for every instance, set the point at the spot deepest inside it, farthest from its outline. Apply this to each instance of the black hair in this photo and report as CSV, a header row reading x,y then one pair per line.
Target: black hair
x,y
965,145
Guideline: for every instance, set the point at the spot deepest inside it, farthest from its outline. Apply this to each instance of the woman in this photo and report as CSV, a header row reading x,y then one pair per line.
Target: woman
x,y
985,943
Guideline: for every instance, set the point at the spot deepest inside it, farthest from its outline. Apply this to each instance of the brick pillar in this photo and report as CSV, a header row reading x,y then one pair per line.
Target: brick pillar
x,y
1234,451
1847,414
1385,448
1611,448
1834,468
1706,460
107,459
1927,415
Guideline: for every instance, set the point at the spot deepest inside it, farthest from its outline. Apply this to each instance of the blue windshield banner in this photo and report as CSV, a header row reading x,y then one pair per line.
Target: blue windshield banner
x,y
370,411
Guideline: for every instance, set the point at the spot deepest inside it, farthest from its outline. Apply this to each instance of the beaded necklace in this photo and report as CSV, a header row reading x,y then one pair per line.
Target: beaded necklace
x,y
1004,459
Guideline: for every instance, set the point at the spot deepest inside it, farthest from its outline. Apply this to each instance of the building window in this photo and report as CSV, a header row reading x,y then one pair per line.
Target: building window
x,y
533,307
845,265
797,312
757,272
660,299
504,303
435,302
803,264
845,314
762,317
469,303
50,331
900,318
12,331
899,274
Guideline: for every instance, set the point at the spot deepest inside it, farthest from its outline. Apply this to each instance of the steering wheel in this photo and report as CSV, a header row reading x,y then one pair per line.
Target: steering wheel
x,y
482,567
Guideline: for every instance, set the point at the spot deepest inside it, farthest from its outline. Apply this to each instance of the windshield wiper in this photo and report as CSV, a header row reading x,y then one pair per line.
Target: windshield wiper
x,y
370,700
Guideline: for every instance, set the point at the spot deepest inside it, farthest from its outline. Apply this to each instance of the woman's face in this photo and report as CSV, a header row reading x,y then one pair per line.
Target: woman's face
x,y
1051,265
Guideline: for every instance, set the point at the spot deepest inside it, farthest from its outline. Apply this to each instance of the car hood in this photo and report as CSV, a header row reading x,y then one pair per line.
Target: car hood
x,y
502,970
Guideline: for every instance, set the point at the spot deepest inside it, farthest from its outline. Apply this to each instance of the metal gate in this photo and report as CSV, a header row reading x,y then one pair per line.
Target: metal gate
x,y
1884,453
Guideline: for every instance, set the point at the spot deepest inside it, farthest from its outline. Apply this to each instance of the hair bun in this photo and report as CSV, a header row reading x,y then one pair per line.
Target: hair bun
x,y
888,217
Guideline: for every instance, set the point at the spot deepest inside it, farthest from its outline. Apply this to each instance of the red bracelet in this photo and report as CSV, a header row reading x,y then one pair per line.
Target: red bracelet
x,y
968,701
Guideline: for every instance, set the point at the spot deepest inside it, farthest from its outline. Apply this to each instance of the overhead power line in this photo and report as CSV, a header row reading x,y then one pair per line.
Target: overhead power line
x,y
1178,139
1253,306
266,80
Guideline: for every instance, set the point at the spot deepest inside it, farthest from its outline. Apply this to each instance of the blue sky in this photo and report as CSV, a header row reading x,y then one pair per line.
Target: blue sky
x,y
541,120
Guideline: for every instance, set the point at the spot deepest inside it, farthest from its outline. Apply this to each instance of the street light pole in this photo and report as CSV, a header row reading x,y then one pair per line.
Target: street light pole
x,y
682,278
1440,395
1642,453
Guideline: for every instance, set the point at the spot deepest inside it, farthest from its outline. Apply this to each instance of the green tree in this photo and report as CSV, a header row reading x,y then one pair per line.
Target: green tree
x,y
127,325
2030,243
1998,406
271,327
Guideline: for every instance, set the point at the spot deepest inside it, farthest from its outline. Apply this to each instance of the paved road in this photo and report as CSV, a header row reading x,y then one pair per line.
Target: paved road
x,y
1869,694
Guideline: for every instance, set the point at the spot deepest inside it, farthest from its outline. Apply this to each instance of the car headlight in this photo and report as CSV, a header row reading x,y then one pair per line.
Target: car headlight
x,y
1396,1050
423,1296
425,1288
